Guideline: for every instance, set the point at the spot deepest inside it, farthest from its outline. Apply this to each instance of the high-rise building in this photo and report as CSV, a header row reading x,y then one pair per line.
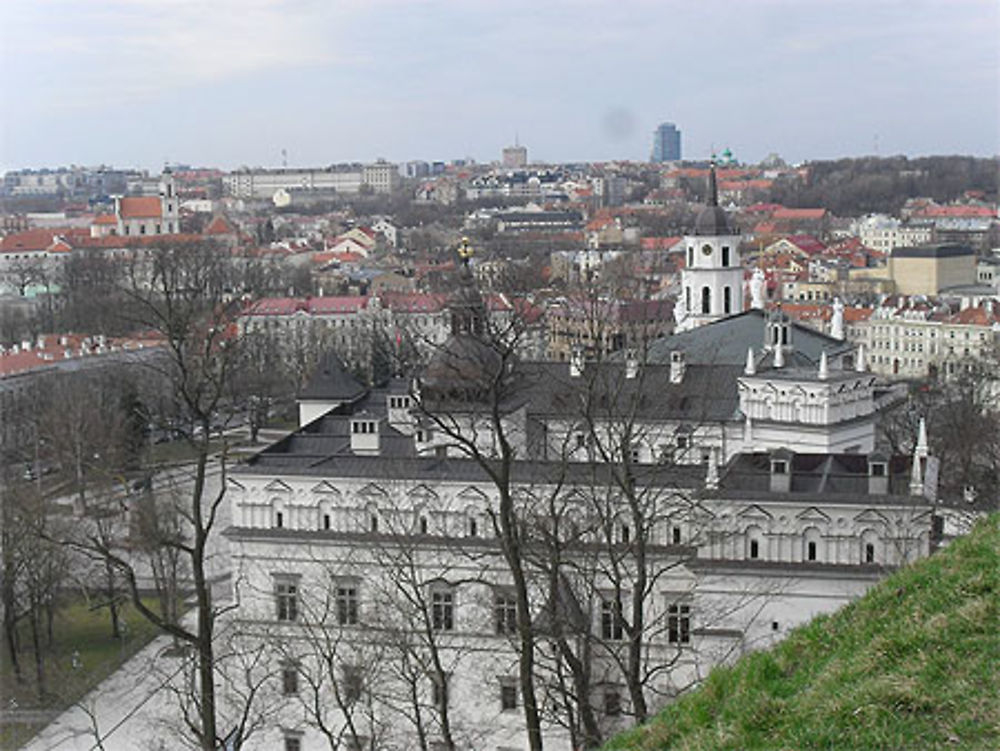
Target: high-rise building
x,y
666,143
515,156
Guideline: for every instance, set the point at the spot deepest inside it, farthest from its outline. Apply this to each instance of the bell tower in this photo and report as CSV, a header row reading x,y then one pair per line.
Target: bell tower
x,y
712,279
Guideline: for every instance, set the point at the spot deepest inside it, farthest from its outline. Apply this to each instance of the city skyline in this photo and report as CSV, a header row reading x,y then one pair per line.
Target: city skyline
x,y
145,82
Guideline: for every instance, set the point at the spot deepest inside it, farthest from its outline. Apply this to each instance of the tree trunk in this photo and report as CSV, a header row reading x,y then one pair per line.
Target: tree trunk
x,y
36,643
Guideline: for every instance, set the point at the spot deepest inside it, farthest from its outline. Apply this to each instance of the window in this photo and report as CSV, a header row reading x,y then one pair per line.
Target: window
x,y
508,695
612,701
279,519
679,623
811,551
869,553
635,454
352,682
422,524
706,300
675,535
373,523
346,600
727,300
326,521
754,549
473,528
286,598
443,610
725,256
290,678
504,613
624,533
779,467
612,620
293,742
878,469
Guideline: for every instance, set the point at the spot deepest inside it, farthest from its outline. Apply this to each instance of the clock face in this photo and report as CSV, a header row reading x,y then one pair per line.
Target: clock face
x,y
706,249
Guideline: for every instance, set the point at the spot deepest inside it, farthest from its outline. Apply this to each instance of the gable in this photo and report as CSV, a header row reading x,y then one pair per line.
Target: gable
x,y
870,516
277,486
373,490
813,514
325,488
754,512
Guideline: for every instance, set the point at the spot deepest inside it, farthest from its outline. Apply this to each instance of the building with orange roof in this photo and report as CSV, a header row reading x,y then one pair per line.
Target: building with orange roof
x,y
142,216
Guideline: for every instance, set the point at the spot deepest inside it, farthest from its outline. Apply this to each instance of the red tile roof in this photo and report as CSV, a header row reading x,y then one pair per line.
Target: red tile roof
x,y
219,226
105,219
785,213
141,207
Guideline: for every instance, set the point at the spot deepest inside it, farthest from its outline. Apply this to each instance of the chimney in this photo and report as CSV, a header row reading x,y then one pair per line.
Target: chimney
x,y
824,367
364,434
779,356
712,471
26,345
576,362
41,342
878,474
751,366
631,364
781,471
677,366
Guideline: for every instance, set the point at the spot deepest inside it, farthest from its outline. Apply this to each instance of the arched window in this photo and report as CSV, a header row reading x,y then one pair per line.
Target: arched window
x,y
869,547
727,300
687,298
811,545
725,256
706,300
690,256
754,543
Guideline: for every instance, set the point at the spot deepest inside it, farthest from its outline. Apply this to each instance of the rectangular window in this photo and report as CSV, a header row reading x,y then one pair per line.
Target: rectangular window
x,y
754,549
676,535
443,610
508,696
290,678
811,551
869,553
612,620
293,742
679,623
347,604
286,599
504,614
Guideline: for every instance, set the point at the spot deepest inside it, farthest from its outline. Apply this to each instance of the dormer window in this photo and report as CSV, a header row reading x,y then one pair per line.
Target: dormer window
x,y
779,467
363,427
878,469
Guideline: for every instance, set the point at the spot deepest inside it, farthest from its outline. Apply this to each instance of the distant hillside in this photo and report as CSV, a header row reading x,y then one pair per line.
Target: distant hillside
x,y
915,664
850,187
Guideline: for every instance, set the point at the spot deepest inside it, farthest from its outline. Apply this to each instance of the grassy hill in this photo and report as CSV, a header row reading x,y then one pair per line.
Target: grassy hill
x,y
915,664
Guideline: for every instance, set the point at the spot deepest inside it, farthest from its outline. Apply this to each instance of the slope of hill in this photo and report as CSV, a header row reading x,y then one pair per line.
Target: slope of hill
x,y
915,664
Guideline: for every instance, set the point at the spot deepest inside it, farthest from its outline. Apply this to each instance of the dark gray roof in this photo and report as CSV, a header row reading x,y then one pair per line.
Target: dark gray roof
x,y
842,475
725,342
332,382
934,251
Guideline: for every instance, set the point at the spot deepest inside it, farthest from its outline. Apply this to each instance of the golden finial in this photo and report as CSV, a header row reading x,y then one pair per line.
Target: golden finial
x,y
465,250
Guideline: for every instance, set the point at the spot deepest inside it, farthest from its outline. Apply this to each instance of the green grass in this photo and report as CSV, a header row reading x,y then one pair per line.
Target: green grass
x,y
915,664
76,628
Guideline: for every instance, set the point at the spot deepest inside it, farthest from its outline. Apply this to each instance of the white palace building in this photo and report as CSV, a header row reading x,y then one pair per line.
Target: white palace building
x,y
671,510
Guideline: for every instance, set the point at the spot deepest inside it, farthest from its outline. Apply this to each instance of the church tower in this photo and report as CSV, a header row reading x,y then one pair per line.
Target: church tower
x,y
712,279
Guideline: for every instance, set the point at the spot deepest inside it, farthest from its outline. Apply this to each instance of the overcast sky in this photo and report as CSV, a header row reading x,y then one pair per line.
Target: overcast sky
x,y
233,82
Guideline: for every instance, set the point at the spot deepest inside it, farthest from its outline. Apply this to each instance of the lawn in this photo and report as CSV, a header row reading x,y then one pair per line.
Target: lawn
x,y
77,629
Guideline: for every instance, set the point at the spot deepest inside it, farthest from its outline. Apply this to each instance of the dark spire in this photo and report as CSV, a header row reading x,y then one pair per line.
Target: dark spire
x,y
468,311
713,189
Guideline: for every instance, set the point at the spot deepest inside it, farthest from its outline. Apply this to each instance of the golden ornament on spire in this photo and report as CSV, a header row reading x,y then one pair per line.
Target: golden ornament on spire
x,y
465,250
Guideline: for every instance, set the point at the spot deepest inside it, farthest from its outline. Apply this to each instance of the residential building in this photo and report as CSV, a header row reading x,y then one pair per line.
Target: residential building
x,y
382,176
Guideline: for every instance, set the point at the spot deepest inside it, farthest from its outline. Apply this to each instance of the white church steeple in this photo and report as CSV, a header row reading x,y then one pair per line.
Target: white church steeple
x,y
712,279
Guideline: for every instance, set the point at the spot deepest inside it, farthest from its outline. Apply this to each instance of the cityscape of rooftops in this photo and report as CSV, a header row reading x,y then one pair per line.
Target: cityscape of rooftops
x,y
457,376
